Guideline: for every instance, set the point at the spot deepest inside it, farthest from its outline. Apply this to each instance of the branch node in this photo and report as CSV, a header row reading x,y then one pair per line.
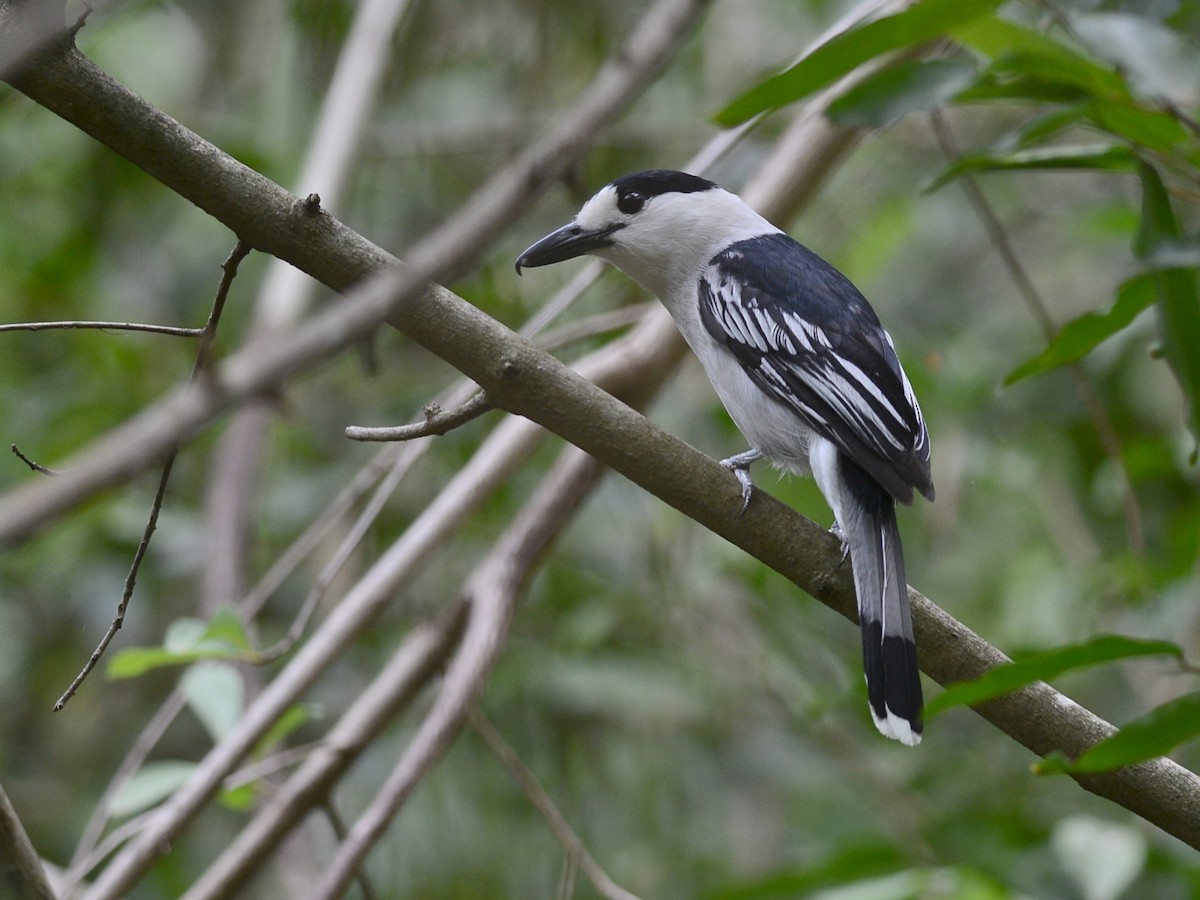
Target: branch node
x,y
77,25
312,204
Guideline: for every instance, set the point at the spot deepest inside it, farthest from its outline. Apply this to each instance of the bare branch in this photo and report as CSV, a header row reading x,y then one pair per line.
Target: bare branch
x,y
172,330
420,655
491,595
345,549
437,421
339,831
536,794
269,218
35,466
22,876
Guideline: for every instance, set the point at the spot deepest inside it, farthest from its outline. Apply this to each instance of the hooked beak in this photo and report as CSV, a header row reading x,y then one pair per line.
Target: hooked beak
x,y
567,242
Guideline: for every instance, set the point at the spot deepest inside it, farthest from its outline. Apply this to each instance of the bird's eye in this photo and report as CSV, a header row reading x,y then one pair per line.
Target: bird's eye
x,y
631,202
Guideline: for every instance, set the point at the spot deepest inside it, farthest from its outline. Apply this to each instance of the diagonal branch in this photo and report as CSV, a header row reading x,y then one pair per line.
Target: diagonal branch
x,y
22,876
491,595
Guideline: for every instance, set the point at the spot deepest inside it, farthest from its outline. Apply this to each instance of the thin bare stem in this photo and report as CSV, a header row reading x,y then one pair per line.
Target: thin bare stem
x,y
341,556
172,330
536,794
203,355
35,466
437,421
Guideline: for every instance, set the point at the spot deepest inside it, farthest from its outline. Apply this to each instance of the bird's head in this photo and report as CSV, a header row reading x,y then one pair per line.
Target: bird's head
x,y
658,227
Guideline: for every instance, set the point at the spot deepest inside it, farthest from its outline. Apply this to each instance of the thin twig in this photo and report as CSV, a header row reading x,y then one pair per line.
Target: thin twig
x,y
172,330
437,421
36,466
541,801
77,26
203,356
1101,421
112,841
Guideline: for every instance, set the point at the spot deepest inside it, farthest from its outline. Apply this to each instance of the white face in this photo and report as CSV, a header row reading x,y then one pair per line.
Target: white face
x,y
660,228
660,238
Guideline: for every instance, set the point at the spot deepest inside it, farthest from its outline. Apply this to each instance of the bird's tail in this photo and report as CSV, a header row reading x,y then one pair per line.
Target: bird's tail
x,y
889,649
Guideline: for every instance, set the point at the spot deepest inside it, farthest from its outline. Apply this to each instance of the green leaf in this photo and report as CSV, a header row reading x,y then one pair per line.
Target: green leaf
x,y
184,634
1083,334
1045,665
227,627
240,798
214,692
1102,157
1155,734
1023,53
1144,128
990,86
845,52
149,785
187,641
1178,291
900,89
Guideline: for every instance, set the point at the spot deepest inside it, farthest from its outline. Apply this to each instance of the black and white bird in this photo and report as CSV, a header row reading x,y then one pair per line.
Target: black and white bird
x,y
805,370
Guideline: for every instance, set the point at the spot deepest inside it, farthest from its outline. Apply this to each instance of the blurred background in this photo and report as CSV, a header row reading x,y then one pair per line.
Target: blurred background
x,y
699,721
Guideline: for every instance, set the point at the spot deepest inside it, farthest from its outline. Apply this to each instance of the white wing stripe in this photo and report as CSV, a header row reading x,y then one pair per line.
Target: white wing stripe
x,y
805,352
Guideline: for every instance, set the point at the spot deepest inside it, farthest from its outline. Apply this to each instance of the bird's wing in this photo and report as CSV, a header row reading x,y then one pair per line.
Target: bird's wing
x,y
805,335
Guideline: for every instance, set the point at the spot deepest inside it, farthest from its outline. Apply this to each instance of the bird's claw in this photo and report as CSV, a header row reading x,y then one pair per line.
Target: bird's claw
x,y
836,530
740,466
747,488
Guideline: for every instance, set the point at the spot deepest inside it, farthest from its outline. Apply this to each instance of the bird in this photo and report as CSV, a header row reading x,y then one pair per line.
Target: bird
x,y
804,368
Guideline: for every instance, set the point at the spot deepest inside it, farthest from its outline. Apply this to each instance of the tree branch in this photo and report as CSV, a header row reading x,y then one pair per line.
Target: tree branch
x,y
437,421
172,330
491,595
22,876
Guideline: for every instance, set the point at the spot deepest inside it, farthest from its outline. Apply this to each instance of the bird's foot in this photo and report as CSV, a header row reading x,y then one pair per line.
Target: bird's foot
x,y
739,465
836,530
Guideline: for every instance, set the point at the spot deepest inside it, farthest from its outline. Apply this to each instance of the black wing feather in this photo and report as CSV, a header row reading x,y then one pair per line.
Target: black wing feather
x,y
806,336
